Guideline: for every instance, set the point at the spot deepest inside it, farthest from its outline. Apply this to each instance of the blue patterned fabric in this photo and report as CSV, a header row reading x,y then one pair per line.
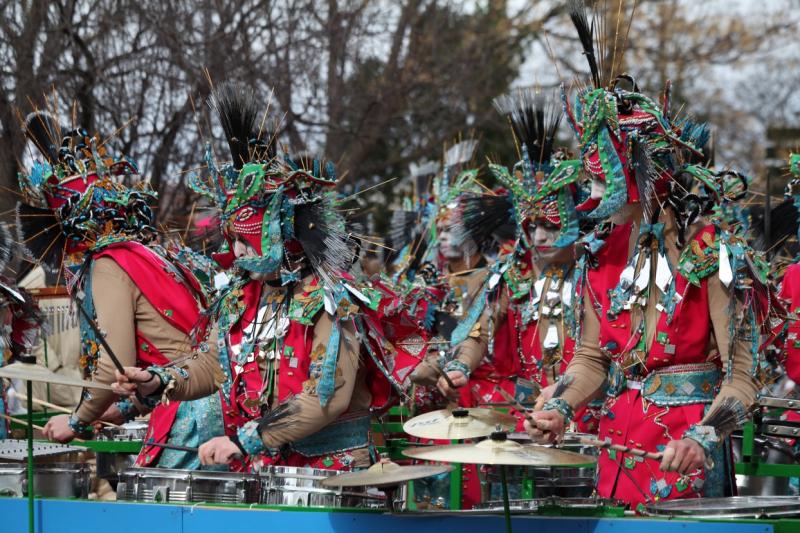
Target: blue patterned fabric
x,y
196,422
682,387
338,436
326,385
250,438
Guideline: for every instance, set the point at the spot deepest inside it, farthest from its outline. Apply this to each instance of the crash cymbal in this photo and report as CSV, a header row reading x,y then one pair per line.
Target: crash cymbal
x,y
499,451
458,423
31,372
385,474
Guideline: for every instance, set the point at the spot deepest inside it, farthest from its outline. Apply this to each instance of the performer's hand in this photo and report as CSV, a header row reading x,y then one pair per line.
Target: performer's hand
x,y
683,456
135,379
544,395
425,375
218,451
459,380
57,429
113,415
545,426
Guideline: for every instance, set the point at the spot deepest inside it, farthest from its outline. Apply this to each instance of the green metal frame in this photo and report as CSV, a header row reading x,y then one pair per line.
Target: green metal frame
x,y
751,464
394,451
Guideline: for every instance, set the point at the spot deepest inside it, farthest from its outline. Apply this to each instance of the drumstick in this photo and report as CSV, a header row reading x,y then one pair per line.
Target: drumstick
x,y
620,448
171,446
25,422
60,408
444,375
513,401
151,442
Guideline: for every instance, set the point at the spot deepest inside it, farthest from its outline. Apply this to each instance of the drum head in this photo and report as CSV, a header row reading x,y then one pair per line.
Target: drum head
x,y
733,507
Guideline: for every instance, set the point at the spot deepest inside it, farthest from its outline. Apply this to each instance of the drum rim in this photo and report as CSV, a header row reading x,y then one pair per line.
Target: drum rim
x,y
757,506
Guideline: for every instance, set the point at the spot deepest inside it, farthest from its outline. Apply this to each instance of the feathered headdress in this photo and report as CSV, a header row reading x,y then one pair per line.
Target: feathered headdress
x,y
541,184
626,140
284,209
76,200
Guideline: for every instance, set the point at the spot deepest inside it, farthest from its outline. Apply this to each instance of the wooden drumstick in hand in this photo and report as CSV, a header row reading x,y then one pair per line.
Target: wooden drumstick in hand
x,y
620,448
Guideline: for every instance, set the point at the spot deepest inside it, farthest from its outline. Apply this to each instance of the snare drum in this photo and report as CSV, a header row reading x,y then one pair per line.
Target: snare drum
x,y
164,485
553,505
301,487
110,464
543,482
733,507
50,480
130,431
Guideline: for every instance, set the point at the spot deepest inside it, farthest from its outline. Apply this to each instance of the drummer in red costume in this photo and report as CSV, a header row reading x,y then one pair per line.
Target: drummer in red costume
x,y
672,303
786,216
521,324
143,300
296,345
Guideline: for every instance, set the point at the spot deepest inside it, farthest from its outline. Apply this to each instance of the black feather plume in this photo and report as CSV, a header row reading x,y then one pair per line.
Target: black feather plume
x,y
486,220
6,246
645,175
326,243
577,12
405,226
726,417
40,237
783,225
534,117
46,133
272,420
563,384
237,108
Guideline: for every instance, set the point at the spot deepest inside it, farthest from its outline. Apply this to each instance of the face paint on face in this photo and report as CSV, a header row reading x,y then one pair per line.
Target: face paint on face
x,y
447,244
544,234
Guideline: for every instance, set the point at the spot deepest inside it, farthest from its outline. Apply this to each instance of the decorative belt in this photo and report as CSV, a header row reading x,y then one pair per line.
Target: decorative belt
x,y
338,436
679,384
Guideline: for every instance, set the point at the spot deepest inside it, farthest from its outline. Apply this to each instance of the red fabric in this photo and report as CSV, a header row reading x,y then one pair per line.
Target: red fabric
x,y
629,421
790,294
247,382
176,303
633,424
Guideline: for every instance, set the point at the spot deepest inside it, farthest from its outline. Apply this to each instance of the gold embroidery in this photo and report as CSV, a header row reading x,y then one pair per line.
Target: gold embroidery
x,y
654,385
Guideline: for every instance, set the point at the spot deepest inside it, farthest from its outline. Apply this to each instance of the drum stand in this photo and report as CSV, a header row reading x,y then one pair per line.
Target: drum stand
x,y
29,416
506,505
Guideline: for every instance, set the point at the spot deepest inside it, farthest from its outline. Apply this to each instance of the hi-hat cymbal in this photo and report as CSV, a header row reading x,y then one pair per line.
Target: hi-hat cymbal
x,y
31,372
458,423
385,474
501,452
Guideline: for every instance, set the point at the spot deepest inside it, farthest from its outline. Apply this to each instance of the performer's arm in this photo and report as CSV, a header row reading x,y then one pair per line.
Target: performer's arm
x,y
586,373
581,383
195,377
739,386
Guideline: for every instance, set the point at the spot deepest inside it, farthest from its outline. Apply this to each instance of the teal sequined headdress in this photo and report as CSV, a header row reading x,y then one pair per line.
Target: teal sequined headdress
x,y
542,185
284,209
81,197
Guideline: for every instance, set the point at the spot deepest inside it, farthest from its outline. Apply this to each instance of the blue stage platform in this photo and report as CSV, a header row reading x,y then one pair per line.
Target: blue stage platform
x,y
71,516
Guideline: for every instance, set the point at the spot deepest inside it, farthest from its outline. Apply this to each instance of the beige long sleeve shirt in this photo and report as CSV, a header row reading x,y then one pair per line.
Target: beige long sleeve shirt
x,y
122,309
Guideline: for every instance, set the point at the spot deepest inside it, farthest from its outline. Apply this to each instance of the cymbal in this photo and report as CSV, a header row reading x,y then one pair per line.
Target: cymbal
x,y
500,452
31,372
385,474
458,423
